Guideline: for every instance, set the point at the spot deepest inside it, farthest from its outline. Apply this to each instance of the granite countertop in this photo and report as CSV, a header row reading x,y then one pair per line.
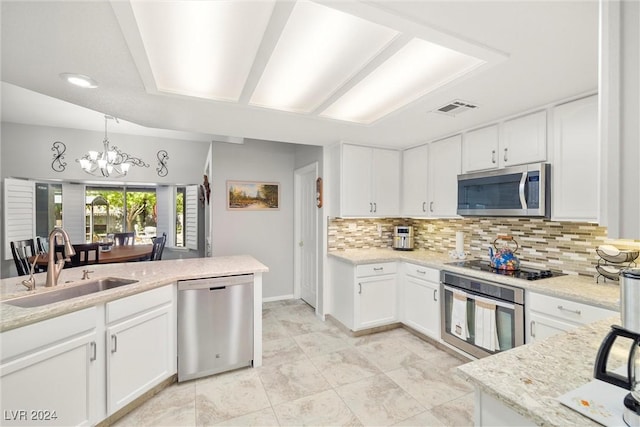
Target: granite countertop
x,y
149,274
529,378
571,287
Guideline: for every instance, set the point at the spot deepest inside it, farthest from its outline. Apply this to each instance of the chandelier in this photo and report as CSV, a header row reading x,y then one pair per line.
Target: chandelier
x,y
111,161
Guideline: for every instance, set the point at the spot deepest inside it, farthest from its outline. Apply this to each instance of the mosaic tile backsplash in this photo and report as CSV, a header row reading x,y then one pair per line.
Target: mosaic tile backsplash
x,y
566,246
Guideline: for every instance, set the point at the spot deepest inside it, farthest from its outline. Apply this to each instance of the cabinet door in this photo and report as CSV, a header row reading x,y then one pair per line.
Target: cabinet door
x,y
421,306
54,386
541,326
575,161
386,182
524,140
444,167
415,179
140,352
480,149
375,302
356,198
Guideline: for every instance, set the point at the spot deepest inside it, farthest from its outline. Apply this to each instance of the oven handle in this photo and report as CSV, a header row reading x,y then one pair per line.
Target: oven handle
x,y
479,297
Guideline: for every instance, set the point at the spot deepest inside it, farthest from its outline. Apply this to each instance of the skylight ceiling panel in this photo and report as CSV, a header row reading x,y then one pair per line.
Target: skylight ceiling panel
x,y
202,48
415,70
320,48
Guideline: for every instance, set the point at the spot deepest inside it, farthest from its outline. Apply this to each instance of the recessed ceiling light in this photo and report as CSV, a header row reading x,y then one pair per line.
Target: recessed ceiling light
x,y
79,80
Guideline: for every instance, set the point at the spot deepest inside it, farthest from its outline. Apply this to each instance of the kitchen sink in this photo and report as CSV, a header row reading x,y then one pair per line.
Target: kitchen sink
x,y
90,287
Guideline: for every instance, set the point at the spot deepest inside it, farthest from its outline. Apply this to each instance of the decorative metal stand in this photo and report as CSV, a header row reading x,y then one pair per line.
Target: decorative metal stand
x,y
609,266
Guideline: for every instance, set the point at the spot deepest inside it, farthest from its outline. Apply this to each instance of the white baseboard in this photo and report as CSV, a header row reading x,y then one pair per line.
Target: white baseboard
x,y
278,298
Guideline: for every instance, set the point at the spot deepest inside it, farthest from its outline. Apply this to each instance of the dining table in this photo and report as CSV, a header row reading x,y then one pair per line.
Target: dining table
x,y
121,253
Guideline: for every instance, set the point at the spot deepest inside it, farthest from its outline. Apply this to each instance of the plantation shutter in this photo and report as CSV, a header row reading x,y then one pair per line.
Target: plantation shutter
x,y
191,217
19,212
74,212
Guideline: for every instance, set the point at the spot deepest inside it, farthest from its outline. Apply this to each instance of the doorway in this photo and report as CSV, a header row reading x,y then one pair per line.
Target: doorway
x,y
306,234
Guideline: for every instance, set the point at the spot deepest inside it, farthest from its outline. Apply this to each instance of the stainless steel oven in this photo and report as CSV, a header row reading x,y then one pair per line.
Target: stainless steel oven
x,y
480,317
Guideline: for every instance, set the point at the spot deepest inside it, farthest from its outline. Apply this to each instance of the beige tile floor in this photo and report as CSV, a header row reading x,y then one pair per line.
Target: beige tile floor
x,y
314,374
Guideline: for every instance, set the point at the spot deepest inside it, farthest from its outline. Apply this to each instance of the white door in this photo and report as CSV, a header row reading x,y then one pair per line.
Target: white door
x,y
306,220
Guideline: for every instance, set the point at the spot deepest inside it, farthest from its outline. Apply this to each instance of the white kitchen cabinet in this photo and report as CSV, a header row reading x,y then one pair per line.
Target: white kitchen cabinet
x,y
575,161
141,344
49,372
369,181
480,149
363,296
444,166
415,180
524,140
421,296
547,315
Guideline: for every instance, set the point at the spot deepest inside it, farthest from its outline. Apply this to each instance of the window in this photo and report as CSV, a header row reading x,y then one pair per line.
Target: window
x,y
180,210
121,209
48,207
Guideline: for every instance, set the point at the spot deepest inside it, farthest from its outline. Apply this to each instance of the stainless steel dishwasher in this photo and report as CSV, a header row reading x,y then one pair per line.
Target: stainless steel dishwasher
x,y
215,325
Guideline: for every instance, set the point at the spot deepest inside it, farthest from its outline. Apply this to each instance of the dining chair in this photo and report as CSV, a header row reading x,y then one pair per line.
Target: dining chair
x,y
158,247
21,251
42,244
121,239
82,256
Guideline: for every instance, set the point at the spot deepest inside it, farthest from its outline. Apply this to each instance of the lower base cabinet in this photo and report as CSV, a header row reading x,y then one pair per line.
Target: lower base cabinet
x,y
140,345
421,300
49,372
81,367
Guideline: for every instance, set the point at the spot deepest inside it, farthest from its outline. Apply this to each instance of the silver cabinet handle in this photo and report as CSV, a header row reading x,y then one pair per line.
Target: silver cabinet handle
x,y
578,312
532,328
435,293
431,206
370,207
424,209
94,351
505,154
493,156
375,207
421,272
378,268
114,343
359,288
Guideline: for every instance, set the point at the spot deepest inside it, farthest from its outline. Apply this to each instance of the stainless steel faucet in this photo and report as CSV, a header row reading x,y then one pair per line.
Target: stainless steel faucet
x,y
55,267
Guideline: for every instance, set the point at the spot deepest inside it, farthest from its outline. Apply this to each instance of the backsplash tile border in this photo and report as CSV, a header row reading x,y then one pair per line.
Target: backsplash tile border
x,y
566,246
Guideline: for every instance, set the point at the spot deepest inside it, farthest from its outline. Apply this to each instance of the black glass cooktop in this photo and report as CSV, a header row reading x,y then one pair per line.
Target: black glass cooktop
x,y
523,273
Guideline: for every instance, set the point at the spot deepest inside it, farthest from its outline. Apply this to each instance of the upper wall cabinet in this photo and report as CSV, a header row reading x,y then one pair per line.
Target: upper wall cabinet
x,y
524,140
368,181
575,161
415,179
514,142
430,178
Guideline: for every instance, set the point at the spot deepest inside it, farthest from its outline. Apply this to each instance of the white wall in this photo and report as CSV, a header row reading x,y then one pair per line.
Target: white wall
x,y
26,153
265,235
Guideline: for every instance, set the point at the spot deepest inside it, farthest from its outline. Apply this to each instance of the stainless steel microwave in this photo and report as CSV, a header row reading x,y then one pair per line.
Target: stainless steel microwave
x,y
514,191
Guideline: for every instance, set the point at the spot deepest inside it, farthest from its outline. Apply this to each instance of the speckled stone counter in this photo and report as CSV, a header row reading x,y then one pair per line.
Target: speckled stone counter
x,y
528,379
149,275
571,287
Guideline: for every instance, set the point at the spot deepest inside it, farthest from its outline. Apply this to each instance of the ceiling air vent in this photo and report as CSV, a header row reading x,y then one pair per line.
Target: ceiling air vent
x,y
456,107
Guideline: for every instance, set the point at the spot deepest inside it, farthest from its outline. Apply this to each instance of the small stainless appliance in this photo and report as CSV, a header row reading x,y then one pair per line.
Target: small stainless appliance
x,y
403,238
630,333
480,317
215,325
514,191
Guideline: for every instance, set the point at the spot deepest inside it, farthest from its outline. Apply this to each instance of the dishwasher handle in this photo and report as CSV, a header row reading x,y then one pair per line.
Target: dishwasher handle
x,y
213,283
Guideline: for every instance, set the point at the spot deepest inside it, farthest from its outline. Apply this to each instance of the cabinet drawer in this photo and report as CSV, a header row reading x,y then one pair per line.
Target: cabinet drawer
x,y
366,270
425,273
47,332
125,307
567,310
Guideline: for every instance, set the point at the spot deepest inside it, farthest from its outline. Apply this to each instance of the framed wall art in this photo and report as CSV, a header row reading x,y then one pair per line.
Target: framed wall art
x,y
253,196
